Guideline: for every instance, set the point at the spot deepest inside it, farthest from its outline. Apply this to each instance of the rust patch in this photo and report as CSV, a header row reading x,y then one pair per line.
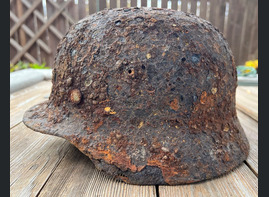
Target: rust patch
x,y
148,95
174,104
203,97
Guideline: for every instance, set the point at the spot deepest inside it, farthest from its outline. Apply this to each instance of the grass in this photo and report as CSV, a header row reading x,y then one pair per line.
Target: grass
x,y
24,65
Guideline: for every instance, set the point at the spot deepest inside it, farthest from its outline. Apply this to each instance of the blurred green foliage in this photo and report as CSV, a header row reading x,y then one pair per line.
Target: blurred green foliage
x,y
23,65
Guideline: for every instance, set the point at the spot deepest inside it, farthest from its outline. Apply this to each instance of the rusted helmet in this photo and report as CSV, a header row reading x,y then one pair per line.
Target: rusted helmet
x,y
148,95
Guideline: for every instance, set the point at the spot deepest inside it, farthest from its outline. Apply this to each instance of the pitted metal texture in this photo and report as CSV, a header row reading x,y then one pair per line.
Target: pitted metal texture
x,y
148,94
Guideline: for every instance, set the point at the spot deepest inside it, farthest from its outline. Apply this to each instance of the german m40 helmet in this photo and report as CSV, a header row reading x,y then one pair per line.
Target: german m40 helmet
x,y
148,95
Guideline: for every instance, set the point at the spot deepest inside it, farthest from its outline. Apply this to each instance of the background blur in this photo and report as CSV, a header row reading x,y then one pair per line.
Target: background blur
x,y
36,26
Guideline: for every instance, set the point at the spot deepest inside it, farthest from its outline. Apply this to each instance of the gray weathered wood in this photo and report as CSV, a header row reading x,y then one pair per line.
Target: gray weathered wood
x,y
41,31
134,3
92,6
193,6
174,5
184,5
144,3
19,47
154,3
203,9
247,101
21,31
239,182
102,4
25,98
24,17
30,33
123,3
220,15
53,29
77,176
164,4
250,127
113,3
81,9
33,158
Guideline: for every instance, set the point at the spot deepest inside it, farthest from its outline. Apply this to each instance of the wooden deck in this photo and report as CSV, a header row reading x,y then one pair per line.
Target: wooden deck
x,y
44,165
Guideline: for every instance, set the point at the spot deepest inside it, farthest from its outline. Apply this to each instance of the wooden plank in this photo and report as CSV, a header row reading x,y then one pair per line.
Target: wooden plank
x,y
102,4
33,158
113,3
12,50
19,47
20,14
81,9
253,47
64,13
72,9
53,29
250,127
240,182
174,4
231,22
24,17
203,9
220,14
77,176
92,6
164,3
245,29
153,3
247,101
37,45
237,31
144,3
184,5
123,3
212,11
23,99
40,32
193,6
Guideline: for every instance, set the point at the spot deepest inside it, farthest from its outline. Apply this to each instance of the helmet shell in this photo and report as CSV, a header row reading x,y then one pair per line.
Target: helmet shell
x,y
148,94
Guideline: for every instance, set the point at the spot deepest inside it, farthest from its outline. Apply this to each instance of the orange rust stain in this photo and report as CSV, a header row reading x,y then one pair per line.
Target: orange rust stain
x,y
119,88
153,20
85,140
124,178
107,100
226,157
97,125
168,170
217,48
174,104
203,97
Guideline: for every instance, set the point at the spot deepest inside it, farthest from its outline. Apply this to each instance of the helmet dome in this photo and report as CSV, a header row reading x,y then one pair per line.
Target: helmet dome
x,y
148,94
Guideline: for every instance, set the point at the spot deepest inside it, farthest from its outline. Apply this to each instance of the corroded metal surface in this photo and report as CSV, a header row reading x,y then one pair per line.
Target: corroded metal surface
x,y
148,95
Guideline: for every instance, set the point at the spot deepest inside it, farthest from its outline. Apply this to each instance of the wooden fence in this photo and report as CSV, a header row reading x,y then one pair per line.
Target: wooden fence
x,y
36,26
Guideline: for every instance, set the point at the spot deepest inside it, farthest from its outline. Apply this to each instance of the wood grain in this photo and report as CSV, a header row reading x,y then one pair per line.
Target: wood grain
x,y
250,127
153,3
247,100
21,100
33,158
77,176
240,182
184,5
193,6
203,9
